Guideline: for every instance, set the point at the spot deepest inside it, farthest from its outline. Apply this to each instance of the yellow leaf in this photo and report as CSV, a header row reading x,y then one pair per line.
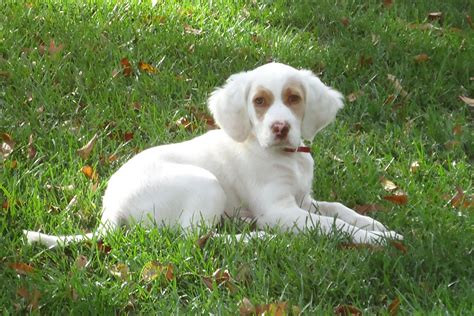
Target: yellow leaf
x,y
147,67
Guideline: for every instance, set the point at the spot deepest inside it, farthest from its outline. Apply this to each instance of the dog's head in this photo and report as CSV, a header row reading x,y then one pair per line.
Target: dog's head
x,y
277,103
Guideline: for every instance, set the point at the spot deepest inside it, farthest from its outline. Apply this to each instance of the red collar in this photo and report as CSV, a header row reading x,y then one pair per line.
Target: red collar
x,y
300,149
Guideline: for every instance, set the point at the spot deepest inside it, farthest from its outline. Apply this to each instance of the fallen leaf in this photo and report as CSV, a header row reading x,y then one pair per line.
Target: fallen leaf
x,y
397,85
354,96
111,158
467,100
127,69
452,144
202,241
387,3
120,270
81,262
246,307
389,99
8,145
86,150
5,204
400,246
31,298
458,198
345,21
421,58
190,30
365,61
53,49
128,136
457,130
31,147
21,268
347,310
147,68
89,172
153,269
244,274
435,16
394,307
184,123
102,247
13,164
136,106
368,208
353,246
469,20
388,185
397,198
414,166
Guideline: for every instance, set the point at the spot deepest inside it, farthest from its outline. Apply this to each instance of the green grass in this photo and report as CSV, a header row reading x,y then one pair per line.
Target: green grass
x,y
63,99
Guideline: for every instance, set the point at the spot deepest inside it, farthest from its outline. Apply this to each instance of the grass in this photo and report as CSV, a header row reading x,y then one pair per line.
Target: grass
x,y
63,98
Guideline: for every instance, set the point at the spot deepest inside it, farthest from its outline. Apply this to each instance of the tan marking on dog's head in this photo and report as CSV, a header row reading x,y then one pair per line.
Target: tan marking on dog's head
x,y
293,97
262,100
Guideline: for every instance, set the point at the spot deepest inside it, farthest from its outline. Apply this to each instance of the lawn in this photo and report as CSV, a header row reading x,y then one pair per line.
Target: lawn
x,y
138,75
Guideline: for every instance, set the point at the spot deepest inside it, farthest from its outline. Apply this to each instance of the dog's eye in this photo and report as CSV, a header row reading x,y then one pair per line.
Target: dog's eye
x,y
294,98
259,101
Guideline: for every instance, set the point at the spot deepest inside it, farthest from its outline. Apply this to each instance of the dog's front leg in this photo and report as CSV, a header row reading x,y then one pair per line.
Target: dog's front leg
x,y
286,214
335,209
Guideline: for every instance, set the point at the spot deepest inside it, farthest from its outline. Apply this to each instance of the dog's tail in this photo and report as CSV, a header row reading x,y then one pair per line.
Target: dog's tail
x,y
52,240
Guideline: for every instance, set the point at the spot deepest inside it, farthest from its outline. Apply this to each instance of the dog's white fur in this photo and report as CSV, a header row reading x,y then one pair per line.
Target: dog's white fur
x,y
240,169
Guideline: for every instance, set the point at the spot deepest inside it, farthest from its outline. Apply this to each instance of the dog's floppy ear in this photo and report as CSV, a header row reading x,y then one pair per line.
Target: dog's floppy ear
x,y
228,105
322,104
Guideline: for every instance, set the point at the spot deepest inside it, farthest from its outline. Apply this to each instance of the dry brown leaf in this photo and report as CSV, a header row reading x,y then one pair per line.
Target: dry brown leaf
x,y
421,58
5,204
127,69
190,30
128,136
347,310
246,307
86,150
31,298
397,85
399,198
147,68
388,185
21,268
31,147
365,61
394,307
387,3
81,262
202,241
53,49
368,208
8,145
400,246
136,106
458,198
457,130
345,21
435,16
467,100
469,20
102,247
353,246
354,96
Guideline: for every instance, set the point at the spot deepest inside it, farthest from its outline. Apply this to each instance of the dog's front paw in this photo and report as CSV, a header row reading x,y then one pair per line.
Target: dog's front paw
x,y
375,237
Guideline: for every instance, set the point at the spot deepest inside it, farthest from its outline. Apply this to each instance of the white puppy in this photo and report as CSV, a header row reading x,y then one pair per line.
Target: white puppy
x,y
256,165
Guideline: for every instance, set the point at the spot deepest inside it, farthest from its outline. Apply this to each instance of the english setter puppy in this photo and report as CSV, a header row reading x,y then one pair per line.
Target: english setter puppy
x,y
255,165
